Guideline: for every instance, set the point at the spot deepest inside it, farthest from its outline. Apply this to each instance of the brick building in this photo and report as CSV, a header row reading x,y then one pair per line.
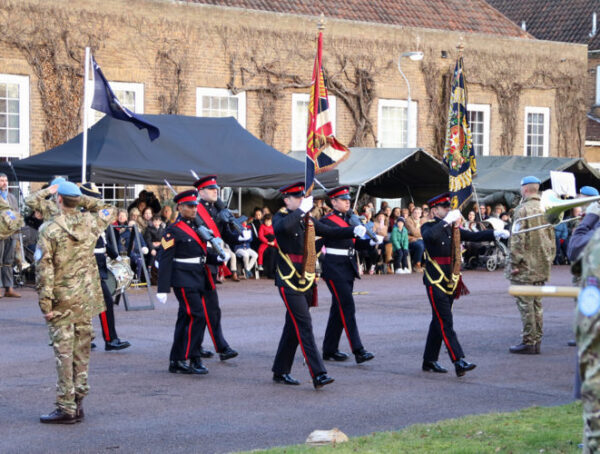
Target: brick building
x,y
253,59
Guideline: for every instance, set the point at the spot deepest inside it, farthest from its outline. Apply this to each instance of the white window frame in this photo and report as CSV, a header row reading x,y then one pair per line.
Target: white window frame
x,y
296,123
222,92
18,150
412,134
545,111
136,87
485,108
597,85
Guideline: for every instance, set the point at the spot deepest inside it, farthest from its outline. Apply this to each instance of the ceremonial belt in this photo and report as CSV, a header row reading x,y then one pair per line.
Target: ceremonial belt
x,y
443,260
208,220
339,221
290,259
100,250
194,260
296,258
449,285
187,229
345,252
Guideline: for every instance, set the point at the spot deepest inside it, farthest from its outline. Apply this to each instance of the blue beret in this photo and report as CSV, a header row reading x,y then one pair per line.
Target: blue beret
x,y
530,180
589,191
69,189
57,180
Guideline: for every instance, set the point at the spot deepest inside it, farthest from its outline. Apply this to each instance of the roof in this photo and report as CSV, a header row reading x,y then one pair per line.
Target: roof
x,y
475,16
554,20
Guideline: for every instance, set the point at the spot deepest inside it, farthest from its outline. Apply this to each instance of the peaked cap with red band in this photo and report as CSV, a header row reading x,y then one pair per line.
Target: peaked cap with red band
x,y
294,189
189,197
207,182
440,200
341,192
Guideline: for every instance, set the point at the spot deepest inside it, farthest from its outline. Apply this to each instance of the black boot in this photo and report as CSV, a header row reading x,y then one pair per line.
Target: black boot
x,y
197,367
285,379
206,353
116,344
523,349
336,356
58,417
462,367
180,367
433,366
321,380
228,353
362,355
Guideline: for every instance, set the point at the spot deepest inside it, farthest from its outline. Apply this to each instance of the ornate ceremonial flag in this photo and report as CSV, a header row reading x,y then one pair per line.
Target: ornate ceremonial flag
x,y
458,149
106,101
323,151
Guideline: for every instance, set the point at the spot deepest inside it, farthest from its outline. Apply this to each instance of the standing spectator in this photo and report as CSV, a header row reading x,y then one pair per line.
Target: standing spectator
x,y
369,255
395,215
8,245
482,213
380,227
166,215
416,246
405,212
268,247
410,207
147,216
400,244
248,255
266,210
152,237
255,224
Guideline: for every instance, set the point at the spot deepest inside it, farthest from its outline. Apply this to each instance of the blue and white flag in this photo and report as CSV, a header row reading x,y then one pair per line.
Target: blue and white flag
x,y
106,101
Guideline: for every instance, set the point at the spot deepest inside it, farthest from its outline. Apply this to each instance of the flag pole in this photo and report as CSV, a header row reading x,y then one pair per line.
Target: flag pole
x,y
85,115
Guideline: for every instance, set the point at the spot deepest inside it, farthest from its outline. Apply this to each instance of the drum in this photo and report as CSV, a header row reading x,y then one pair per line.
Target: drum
x,y
120,275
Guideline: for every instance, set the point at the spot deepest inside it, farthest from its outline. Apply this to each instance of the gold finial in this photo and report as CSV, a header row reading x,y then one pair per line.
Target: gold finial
x,y
461,44
321,23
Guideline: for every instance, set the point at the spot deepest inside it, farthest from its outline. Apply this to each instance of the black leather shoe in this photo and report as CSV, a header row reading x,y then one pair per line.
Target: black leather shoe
x,y
206,353
179,367
58,417
228,353
285,379
337,356
79,414
433,366
321,380
116,344
92,346
197,367
522,349
362,355
572,343
462,367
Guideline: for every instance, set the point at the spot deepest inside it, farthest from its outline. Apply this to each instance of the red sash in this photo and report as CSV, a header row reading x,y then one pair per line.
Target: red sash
x,y
187,229
339,221
208,220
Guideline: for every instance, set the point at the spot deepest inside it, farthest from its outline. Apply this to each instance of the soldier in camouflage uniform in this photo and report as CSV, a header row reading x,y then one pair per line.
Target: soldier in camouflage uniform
x,y
587,333
69,293
531,256
40,201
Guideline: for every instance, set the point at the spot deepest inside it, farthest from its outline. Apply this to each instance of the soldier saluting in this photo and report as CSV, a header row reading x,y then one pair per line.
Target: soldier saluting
x,y
183,264
296,290
340,268
440,287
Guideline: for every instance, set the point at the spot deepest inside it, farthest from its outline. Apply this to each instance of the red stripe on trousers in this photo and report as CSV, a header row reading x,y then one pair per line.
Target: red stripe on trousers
x,y
104,323
189,312
297,331
342,314
441,324
210,331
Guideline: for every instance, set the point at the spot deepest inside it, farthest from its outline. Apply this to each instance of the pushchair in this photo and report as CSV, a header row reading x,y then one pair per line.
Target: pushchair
x,y
490,254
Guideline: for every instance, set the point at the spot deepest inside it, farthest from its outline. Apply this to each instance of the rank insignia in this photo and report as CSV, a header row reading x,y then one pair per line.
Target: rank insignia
x,y
11,215
165,243
105,212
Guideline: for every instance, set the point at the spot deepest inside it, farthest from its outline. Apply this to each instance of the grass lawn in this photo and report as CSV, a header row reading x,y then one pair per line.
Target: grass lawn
x,y
533,430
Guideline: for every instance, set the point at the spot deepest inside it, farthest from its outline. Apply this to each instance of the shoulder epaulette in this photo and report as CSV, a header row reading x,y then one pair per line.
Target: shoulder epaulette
x,y
283,210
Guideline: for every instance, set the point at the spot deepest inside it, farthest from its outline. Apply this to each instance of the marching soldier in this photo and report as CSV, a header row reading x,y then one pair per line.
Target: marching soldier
x,y
69,293
102,249
531,256
440,287
297,292
340,268
182,264
208,209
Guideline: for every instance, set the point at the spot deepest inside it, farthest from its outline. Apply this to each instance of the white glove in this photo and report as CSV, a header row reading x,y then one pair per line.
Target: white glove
x,y
245,236
162,297
119,258
145,250
452,216
360,231
501,234
379,240
593,208
224,258
307,204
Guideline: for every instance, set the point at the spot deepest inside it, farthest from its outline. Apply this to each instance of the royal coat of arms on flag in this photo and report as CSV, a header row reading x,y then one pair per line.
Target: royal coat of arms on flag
x,y
458,149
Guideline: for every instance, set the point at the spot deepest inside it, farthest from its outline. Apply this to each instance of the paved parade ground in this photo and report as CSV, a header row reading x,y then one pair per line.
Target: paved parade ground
x,y
135,405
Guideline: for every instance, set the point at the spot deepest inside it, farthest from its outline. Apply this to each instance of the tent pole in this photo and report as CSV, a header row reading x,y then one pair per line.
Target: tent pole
x,y
412,199
357,195
240,201
85,115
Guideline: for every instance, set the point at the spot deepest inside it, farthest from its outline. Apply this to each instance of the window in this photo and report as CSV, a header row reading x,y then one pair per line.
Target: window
x,y
597,85
392,120
129,94
537,131
118,194
219,102
479,121
14,116
300,118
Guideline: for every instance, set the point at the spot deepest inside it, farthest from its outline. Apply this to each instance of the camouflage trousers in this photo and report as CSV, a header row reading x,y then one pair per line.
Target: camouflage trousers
x,y
587,332
531,311
72,344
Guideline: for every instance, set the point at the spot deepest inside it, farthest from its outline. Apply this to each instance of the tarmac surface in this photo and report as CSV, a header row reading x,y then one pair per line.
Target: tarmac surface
x,y
135,405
